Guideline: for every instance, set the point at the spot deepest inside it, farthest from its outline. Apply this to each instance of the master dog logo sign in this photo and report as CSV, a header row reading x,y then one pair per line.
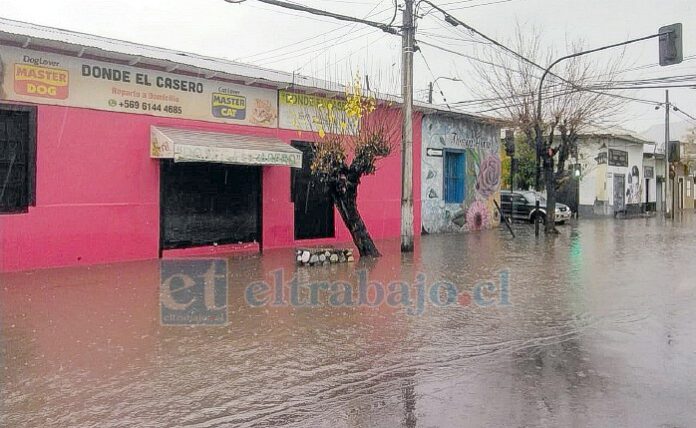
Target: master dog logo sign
x,y
41,82
193,292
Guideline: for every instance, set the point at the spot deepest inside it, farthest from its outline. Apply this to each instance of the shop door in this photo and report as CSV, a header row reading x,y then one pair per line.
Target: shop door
x,y
659,203
619,192
314,210
208,204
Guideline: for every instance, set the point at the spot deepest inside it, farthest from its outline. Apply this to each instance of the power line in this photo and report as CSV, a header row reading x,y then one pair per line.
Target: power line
x,y
263,53
434,82
481,4
352,26
473,58
295,6
577,88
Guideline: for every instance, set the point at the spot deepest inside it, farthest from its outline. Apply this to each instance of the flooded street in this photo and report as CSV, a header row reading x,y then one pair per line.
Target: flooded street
x,y
599,331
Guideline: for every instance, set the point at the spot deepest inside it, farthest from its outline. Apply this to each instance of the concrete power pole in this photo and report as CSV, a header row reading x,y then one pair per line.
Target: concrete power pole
x,y
408,40
668,211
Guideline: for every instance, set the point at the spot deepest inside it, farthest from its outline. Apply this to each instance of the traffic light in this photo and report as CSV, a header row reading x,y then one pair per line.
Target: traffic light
x,y
674,154
672,171
671,44
510,142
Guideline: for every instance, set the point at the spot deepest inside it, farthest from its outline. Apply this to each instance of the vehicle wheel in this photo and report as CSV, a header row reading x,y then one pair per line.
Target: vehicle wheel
x,y
561,222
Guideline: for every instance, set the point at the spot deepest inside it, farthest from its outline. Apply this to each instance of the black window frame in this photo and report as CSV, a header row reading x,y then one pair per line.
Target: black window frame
x,y
30,186
168,178
299,232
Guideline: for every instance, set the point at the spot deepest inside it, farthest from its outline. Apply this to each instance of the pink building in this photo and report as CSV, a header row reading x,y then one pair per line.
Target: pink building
x,y
112,151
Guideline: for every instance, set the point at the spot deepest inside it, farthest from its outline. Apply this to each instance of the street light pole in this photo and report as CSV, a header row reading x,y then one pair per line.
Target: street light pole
x,y
538,126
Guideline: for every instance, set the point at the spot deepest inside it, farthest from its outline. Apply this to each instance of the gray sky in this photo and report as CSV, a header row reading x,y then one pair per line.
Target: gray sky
x,y
292,41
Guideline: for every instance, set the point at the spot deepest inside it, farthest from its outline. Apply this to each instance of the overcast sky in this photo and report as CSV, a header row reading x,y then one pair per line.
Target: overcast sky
x,y
292,41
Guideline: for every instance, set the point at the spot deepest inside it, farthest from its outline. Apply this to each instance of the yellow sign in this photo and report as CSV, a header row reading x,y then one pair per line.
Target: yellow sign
x,y
48,78
315,114
41,81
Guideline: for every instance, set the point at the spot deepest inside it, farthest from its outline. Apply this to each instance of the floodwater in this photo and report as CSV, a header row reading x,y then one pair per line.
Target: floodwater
x,y
599,331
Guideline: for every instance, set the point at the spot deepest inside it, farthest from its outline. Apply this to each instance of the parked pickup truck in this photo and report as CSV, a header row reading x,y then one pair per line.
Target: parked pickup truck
x,y
525,206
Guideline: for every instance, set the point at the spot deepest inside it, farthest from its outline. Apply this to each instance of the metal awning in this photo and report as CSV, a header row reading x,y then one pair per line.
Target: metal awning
x,y
185,145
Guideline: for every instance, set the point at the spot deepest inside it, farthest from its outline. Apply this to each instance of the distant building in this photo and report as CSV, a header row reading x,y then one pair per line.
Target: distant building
x,y
653,190
613,176
684,183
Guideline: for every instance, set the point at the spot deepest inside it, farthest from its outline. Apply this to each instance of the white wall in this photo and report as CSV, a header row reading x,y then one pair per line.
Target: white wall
x,y
597,182
593,175
652,189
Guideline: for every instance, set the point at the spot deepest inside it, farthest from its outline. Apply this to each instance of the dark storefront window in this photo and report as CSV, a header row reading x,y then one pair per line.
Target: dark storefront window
x,y
314,211
208,203
454,170
17,158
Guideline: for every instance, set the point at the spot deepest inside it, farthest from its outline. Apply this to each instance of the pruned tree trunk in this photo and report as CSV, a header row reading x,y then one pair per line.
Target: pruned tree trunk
x,y
550,179
345,198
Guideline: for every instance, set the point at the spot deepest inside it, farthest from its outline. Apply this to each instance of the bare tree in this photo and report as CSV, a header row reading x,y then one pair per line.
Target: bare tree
x,y
509,90
352,136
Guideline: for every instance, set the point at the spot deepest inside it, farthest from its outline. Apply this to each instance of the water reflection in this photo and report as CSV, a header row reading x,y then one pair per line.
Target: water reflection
x,y
599,333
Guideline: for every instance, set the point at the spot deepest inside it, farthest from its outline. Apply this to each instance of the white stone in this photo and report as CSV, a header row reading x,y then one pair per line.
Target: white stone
x,y
305,256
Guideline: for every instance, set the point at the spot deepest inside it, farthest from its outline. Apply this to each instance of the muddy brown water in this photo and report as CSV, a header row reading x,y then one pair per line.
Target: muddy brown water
x,y
599,331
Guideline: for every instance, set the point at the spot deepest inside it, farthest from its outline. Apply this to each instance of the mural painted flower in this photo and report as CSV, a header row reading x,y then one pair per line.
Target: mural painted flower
x,y
488,179
478,216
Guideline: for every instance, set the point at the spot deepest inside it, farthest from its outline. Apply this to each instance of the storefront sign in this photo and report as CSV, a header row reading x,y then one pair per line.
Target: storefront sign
x,y
232,155
48,78
455,140
433,152
315,114
185,145
618,158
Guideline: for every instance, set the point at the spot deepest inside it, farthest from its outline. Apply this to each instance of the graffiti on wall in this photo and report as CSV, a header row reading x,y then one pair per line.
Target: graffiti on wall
x,y
633,187
478,146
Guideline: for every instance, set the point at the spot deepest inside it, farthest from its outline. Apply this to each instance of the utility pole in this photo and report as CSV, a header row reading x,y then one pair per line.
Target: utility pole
x,y
669,213
408,39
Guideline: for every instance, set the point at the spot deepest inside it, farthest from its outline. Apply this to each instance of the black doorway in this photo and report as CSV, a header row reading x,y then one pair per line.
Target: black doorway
x,y
314,211
208,203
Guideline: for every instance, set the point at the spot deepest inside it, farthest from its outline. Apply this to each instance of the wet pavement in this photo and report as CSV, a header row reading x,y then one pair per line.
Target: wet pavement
x,y
599,331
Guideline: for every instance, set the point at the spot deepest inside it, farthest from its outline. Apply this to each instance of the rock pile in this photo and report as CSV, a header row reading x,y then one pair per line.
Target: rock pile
x,y
323,256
